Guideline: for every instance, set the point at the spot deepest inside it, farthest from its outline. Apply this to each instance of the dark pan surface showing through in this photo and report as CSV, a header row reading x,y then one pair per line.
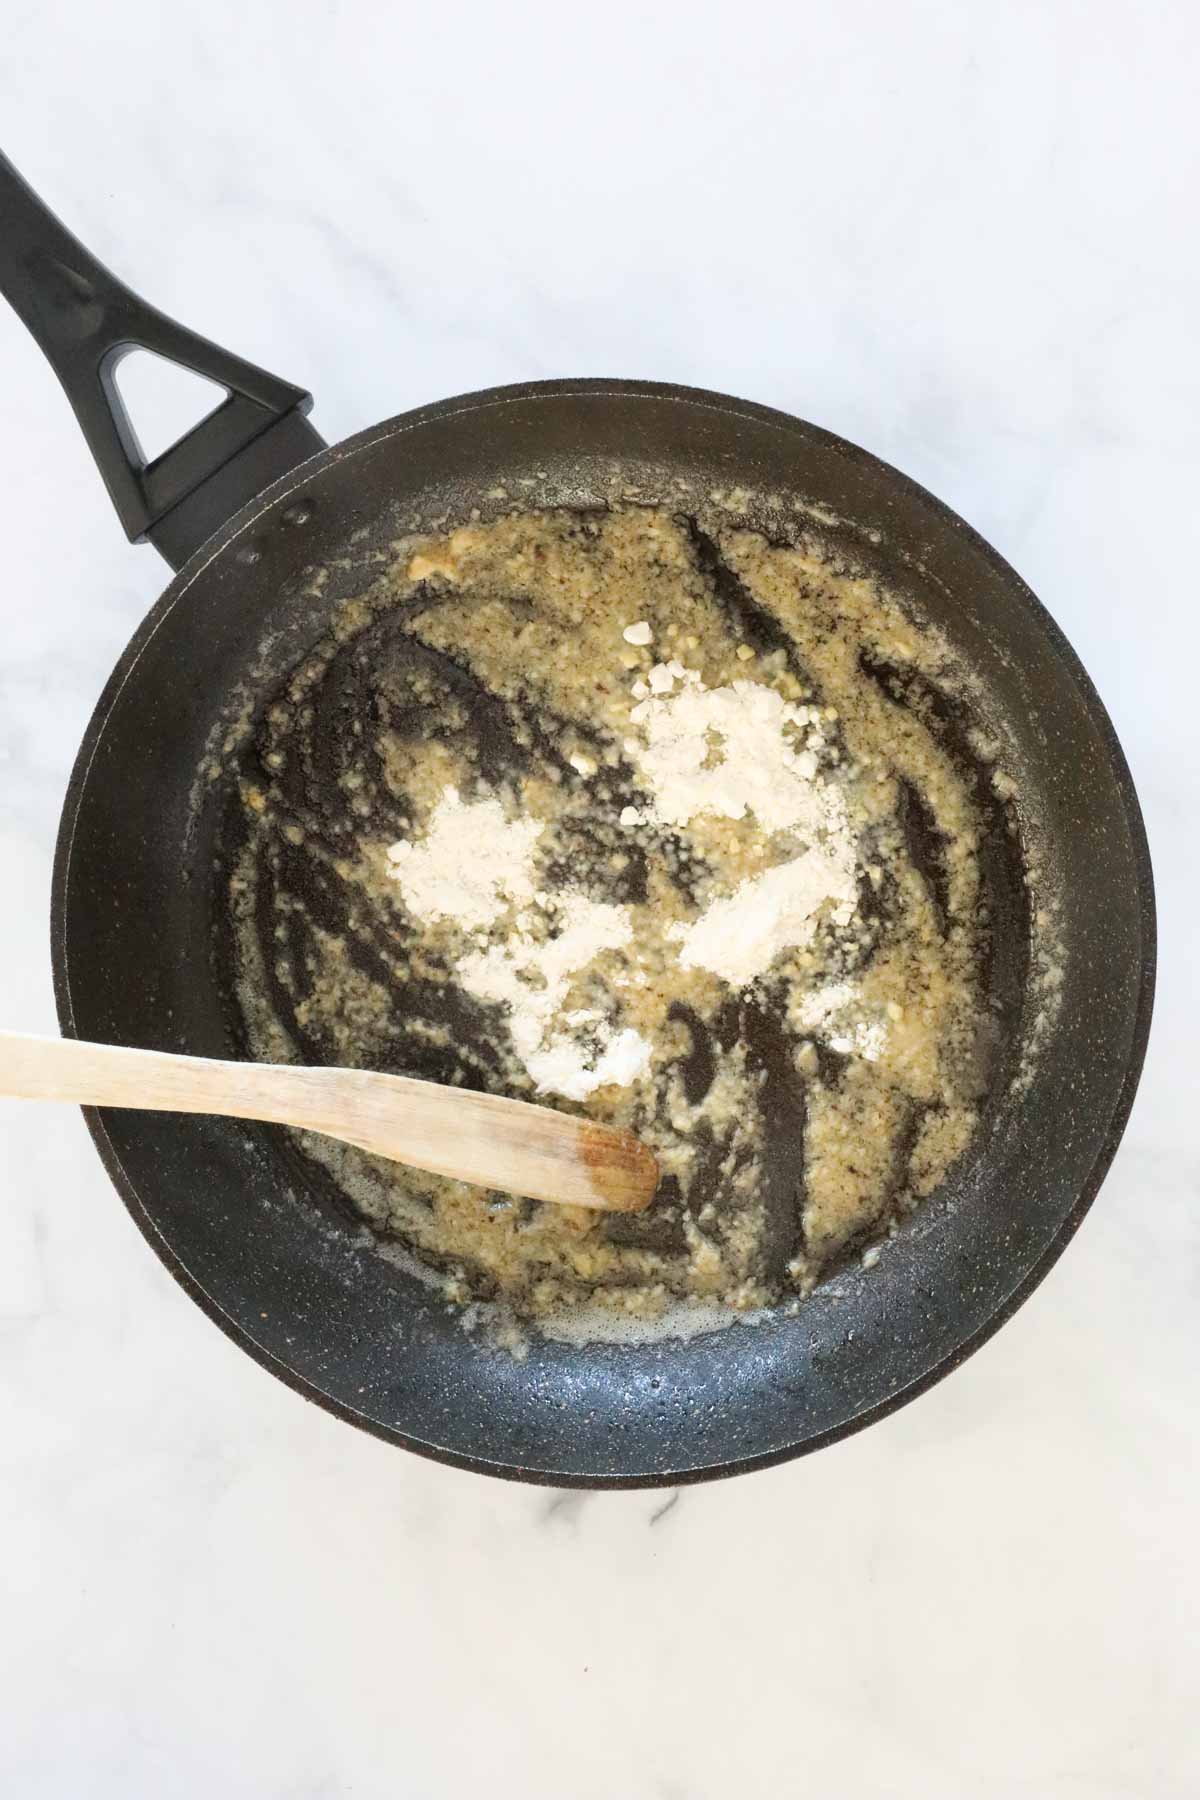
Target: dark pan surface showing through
x,y
229,1207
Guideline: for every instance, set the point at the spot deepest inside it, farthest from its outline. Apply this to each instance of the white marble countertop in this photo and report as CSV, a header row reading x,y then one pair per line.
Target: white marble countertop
x,y
961,235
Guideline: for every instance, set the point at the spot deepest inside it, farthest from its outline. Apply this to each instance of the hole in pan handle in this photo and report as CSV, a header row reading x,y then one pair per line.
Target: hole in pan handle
x,y
85,321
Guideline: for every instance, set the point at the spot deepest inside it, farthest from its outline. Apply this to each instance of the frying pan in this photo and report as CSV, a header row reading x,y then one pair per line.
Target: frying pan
x,y
245,508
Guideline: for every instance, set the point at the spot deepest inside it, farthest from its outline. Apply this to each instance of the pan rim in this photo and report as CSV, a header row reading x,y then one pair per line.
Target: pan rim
x,y
707,400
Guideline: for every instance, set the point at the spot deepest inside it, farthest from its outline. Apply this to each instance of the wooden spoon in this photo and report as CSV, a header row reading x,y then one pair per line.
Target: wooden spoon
x,y
496,1143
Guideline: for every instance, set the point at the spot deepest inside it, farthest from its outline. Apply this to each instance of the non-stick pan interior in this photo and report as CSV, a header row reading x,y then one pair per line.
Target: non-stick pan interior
x,y
238,1215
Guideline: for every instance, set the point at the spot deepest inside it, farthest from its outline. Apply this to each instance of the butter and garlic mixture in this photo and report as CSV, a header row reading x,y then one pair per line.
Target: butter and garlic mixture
x,y
642,814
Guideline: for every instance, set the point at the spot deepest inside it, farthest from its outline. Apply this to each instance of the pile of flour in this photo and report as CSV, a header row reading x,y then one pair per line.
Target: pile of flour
x,y
471,863
731,751
475,866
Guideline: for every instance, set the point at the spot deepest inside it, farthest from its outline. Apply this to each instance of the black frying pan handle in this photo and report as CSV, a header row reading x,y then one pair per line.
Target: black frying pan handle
x,y
85,320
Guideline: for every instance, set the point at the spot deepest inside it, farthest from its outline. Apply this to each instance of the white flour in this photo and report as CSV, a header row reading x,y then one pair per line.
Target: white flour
x,y
470,864
533,980
829,1013
731,751
736,750
740,936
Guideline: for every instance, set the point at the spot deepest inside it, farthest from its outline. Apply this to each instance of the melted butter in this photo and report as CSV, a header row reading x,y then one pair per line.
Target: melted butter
x,y
497,662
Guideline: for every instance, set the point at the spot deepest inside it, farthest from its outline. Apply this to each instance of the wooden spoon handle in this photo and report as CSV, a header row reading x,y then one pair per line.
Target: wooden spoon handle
x,y
481,1138
37,1068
